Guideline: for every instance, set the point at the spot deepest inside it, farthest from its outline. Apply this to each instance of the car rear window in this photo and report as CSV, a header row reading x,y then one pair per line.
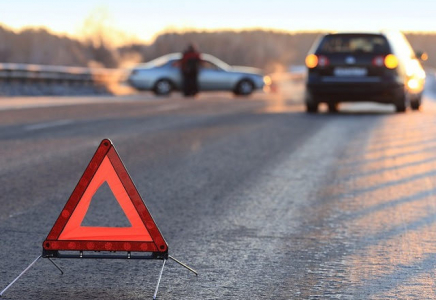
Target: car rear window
x,y
341,43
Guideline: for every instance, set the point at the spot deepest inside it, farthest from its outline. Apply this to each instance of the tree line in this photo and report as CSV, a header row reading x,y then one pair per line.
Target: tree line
x,y
266,49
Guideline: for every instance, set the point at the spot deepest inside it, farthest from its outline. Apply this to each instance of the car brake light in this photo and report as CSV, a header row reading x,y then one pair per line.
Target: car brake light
x,y
378,61
311,61
391,61
323,61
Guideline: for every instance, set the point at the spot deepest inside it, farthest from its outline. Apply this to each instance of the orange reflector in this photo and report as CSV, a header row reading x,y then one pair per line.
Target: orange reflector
x,y
391,61
311,61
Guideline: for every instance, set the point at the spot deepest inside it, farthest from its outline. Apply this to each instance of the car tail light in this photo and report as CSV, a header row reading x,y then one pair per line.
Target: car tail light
x,y
267,80
378,61
323,61
311,61
391,61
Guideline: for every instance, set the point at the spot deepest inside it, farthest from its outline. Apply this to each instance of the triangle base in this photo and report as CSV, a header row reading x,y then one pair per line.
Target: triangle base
x,y
103,255
55,245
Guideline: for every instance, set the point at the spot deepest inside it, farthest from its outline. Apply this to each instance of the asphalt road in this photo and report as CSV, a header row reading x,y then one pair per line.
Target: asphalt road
x,y
262,199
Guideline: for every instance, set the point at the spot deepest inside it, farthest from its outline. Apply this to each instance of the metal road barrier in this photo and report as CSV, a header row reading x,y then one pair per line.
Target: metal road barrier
x,y
59,74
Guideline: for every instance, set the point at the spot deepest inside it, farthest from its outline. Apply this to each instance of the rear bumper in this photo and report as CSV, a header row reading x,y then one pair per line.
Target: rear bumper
x,y
371,89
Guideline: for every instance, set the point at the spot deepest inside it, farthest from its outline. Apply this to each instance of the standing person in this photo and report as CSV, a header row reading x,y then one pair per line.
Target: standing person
x,y
190,66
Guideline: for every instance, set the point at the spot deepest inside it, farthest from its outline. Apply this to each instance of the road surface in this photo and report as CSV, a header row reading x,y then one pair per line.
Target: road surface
x,y
262,199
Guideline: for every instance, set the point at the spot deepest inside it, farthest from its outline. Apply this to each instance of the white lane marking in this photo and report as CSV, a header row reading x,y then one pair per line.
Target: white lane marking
x,y
168,107
48,125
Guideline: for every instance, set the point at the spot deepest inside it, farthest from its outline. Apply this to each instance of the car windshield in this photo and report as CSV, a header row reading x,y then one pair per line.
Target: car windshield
x,y
213,60
161,61
347,43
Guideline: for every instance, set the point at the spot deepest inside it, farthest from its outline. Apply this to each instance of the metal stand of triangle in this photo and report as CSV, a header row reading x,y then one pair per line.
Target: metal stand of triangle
x,y
81,255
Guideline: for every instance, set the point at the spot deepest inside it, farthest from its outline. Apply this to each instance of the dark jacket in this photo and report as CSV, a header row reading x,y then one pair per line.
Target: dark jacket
x,y
190,63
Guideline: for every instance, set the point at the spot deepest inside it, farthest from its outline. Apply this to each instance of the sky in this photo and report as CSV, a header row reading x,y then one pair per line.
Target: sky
x,y
144,18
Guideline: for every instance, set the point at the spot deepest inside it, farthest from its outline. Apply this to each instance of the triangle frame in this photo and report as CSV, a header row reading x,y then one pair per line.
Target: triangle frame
x,y
67,234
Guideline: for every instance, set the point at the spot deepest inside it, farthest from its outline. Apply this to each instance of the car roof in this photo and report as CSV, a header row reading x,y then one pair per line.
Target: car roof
x,y
356,33
383,32
172,56
161,60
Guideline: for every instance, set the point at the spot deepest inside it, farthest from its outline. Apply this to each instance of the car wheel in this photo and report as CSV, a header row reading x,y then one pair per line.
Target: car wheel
x,y
245,87
163,87
333,107
400,104
415,103
311,103
312,107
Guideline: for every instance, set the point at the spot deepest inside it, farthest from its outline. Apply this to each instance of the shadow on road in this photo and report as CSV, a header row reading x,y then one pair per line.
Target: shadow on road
x,y
374,225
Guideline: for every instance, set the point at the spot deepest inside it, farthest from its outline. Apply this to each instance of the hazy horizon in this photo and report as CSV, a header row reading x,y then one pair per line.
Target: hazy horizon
x,y
189,30
142,21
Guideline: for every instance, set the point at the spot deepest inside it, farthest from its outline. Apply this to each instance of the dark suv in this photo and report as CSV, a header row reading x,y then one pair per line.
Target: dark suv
x,y
376,67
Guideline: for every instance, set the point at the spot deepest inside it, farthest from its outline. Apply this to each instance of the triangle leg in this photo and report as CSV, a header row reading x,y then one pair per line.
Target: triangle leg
x,y
21,274
62,272
158,281
184,265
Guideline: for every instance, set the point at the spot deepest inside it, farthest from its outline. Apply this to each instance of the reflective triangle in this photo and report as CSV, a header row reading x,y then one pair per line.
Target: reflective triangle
x,y
68,233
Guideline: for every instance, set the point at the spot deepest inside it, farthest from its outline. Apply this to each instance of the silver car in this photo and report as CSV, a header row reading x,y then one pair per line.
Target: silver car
x,y
162,76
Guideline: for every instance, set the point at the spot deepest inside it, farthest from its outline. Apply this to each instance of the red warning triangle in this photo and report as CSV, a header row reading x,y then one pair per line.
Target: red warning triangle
x,y
68,233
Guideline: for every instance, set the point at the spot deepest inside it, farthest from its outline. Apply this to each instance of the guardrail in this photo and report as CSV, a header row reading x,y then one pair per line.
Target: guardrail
x,y
63,74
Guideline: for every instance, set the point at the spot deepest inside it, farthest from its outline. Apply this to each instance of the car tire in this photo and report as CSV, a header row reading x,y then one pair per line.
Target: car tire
x,y
312,108
415,103
400,104
333,107
163,87
311,103
244,88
